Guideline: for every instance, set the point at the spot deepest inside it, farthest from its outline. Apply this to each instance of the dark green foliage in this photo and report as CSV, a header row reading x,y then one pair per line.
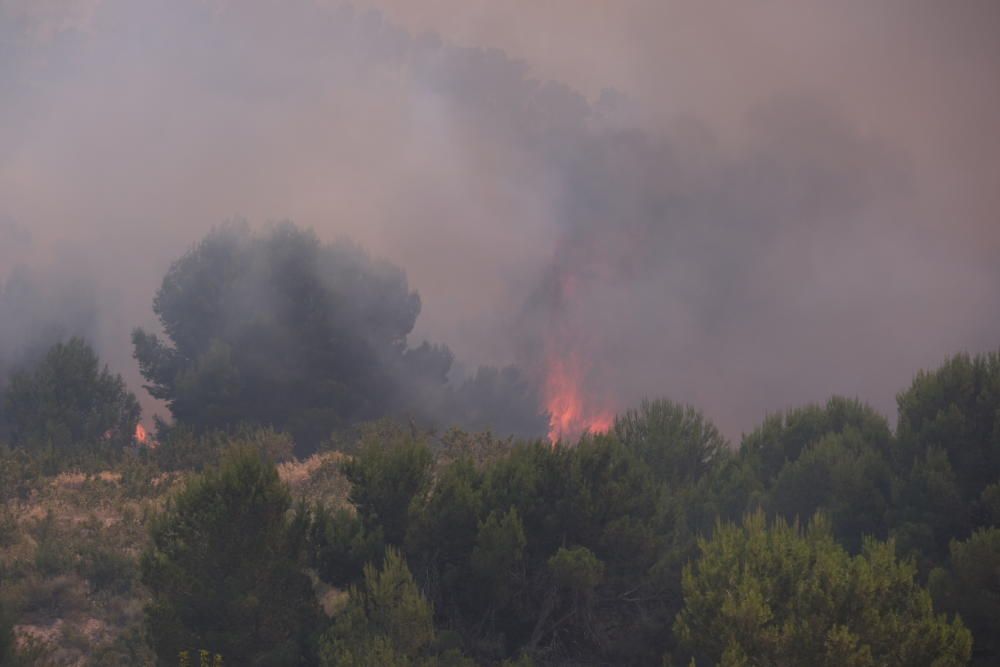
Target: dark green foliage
x,y
783,436
340,545
106,568
948,453
843,476
518,550
497,560
574,554
986,512
834,458
19,474
764,594
678,443
928,510
388,622
392,468
224,568
70,409
576,570
956,409
618,549
970,587
54,554
445,522
281,330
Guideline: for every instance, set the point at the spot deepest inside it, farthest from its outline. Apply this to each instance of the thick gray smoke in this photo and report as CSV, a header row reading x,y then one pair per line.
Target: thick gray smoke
x,y
826,223
39,307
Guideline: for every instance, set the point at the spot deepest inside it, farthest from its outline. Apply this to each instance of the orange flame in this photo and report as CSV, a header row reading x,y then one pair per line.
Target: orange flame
x,y
572,412
141,436
570,416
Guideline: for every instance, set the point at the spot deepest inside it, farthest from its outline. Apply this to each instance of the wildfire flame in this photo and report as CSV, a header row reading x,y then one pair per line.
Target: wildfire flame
x,y
570,414
572,410
141,436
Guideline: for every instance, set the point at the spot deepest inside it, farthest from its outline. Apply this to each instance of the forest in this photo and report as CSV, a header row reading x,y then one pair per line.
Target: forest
x,y
320,492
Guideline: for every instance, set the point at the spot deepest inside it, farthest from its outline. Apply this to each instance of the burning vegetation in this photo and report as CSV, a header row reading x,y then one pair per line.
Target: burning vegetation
x,y
512,549
571,414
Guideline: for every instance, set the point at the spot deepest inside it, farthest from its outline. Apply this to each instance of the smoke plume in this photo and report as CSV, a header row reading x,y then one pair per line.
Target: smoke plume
x,y
742,208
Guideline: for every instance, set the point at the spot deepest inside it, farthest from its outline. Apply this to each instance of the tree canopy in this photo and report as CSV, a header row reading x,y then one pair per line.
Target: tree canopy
x,y
280,329
772,594
69,406
224,568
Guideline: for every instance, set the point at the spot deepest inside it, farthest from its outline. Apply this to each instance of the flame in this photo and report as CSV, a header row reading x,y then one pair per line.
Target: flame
x,y
141,436
572,410
570,414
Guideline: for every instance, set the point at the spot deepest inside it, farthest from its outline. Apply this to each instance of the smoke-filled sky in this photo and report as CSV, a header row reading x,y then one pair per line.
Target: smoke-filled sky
x,y
745,206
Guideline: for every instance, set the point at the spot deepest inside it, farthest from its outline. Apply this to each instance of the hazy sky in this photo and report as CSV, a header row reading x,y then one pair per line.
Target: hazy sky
x,y
742,205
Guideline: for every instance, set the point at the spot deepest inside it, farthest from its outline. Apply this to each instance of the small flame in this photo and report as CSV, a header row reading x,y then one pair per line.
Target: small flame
x,y
141,436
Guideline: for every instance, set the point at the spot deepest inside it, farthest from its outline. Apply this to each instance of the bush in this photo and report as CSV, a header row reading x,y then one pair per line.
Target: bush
x,y
774,595
224,568
70,409
181,449
106,568
19,474
54,554
388,621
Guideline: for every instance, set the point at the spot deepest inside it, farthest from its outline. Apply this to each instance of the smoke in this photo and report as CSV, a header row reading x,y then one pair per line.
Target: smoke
x,y
745,209
38,312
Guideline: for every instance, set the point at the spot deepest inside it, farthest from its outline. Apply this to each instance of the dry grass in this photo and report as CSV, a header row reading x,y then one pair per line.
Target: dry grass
x,y
74,515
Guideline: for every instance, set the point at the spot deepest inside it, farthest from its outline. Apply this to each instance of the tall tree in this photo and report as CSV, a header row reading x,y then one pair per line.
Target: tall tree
x,y
279,329
970,587
784,436
678,442
955,409
224,568
387,621
69,406
391,469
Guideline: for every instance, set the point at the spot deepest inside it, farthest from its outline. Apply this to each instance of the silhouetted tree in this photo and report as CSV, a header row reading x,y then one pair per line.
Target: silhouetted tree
x,y
279,329
955,411
783,436
69,407
678,442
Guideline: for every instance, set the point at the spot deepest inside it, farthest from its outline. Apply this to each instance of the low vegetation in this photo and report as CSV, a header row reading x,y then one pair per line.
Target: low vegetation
x,y
825,538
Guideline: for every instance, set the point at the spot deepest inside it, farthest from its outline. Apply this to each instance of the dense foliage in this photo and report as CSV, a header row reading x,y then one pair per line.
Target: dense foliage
x,y
575,555
774,595
223,568
825,538
68,408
